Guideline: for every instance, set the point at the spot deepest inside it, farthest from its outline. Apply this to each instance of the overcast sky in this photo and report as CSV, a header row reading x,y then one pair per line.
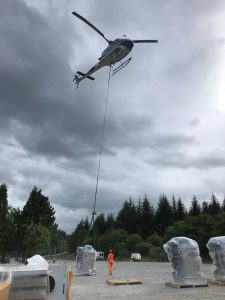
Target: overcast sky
x,y
165,128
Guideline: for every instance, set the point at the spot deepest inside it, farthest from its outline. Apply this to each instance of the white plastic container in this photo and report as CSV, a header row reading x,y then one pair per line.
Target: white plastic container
x,y
135,257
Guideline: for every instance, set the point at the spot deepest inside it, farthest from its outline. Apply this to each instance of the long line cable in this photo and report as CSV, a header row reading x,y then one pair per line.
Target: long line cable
x,y
101,146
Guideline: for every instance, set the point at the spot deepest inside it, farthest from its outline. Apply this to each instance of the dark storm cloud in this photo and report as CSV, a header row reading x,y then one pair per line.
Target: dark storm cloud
x,y
34,82
50,132
185,160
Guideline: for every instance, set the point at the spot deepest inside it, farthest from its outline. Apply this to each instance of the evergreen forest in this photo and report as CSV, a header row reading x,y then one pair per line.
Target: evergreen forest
x,y
137,227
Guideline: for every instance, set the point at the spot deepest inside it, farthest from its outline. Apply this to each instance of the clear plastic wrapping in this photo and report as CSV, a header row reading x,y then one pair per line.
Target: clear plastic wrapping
x,y
85,260
27,282
216,246
183,254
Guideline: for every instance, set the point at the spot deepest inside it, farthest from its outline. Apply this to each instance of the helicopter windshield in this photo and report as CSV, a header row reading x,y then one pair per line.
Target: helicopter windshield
x,y
107,50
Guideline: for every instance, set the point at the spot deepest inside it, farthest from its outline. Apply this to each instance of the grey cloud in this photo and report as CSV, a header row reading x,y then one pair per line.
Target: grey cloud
x,y
194,122
182,160
169,141
50,132
210,161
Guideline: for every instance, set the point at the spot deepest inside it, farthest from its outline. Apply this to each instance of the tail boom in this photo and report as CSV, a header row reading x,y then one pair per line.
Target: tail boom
x,y
79,76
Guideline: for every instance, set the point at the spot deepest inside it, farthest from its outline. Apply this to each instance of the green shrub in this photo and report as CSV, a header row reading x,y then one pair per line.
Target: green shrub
x,y
142,248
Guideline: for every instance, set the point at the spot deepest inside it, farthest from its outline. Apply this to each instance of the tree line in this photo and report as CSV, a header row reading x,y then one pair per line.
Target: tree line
x,y
27,231
137,227
144,228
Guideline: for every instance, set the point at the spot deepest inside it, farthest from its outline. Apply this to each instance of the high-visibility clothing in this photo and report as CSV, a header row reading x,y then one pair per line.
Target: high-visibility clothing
x,y
110,257
110,262
110,266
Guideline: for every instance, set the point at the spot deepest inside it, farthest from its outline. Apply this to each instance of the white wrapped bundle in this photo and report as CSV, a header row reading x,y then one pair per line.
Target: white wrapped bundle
x,y
85,260
216,246
183,254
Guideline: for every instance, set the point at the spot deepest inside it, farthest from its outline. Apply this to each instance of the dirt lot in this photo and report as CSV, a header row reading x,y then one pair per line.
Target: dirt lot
x,y
153,276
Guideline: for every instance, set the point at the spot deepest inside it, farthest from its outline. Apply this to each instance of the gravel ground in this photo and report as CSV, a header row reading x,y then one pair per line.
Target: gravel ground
x,y
153,276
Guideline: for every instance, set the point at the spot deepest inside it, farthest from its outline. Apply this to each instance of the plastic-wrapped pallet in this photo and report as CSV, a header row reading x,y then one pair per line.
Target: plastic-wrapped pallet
x,y
85,260
216,246
183,254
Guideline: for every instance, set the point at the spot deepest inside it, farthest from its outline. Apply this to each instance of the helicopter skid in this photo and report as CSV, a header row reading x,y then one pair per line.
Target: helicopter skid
x,y
120,67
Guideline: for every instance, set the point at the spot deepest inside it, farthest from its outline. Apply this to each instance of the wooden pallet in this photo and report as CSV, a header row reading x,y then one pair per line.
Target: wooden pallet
x,y
183,285
216,282
123,281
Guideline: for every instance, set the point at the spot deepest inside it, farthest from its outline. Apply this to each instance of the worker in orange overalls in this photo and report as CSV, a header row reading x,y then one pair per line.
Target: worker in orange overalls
x,y
110,261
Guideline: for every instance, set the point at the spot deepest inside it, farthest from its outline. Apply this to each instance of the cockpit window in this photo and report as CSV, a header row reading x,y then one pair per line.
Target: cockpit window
x,y
107,50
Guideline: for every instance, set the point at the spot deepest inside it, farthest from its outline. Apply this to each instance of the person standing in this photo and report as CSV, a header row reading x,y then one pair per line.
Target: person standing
x,y
109,259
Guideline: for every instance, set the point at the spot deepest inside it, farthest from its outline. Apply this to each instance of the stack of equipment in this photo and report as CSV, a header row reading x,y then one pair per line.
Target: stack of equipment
x,y
85,260
183,253
216,246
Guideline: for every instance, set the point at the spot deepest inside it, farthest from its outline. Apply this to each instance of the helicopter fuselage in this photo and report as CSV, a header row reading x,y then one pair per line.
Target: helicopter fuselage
x,y
115,52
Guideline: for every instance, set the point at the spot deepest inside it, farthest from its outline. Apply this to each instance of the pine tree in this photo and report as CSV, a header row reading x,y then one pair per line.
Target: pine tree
x,y
122,215
138,211
38,210
19,230
214,206
7,227
205,207
127,217
100,224
223,204
147,218
38,213
174,208
3,203
79,236
164,214
181,210
195,208
3,217
110,222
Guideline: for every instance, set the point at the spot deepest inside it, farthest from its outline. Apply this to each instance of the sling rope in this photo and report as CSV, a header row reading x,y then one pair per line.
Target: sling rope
x,y
101,146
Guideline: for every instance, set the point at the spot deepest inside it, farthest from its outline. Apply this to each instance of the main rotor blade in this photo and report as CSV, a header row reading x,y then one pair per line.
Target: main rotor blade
x,y
91,25
145,41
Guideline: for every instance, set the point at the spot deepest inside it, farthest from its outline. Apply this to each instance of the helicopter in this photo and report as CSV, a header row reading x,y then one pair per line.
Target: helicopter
x,y
117,50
